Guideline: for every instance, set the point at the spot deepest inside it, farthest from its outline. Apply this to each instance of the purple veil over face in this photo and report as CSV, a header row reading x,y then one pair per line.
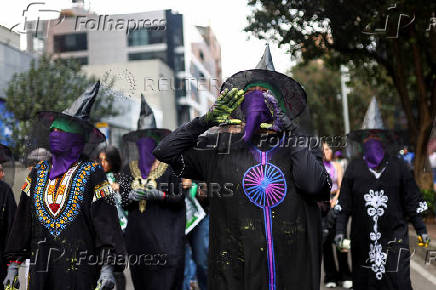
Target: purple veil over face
x,y
373,153
146,158
256,112
66,149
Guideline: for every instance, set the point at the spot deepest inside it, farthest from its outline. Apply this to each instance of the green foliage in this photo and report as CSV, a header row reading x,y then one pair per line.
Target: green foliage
x,y
343,31
49,85
322,84
393,42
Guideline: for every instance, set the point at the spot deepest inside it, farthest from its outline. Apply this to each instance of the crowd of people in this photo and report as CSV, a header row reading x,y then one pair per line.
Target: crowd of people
x,y
236,198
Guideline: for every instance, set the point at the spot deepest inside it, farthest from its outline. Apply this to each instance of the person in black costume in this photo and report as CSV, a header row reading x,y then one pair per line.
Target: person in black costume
x,y
265,228
155,201
66,222
380,194
8,207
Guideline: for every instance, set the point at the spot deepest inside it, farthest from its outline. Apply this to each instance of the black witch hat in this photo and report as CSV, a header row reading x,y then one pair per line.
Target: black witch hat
x,y
146,126
373,127
79,113
146,116
289,93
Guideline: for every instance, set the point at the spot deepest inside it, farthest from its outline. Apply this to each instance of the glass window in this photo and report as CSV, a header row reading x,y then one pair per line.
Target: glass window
x,y
138,37
70,42
179,62
162,55
146,36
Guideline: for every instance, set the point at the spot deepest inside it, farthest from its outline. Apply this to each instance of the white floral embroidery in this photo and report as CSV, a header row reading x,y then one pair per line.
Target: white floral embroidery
x,y
376,202
422,207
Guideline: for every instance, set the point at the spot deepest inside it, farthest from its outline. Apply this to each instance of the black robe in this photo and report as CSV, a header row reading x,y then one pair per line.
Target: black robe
x,y
7,213
155,236
254,243
379,232
67,227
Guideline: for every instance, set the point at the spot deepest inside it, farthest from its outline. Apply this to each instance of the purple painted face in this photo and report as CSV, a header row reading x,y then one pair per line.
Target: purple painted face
x,y
256,112
146,158
373,153
66,149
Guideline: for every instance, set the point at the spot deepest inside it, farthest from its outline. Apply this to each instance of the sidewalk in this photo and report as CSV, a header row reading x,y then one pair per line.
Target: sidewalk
x,y
431,230
423,252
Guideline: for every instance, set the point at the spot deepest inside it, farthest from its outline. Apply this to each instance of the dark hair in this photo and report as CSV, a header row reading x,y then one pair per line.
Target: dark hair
x,y
113,157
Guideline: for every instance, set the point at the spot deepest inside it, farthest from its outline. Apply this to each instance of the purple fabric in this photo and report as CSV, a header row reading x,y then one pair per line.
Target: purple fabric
x,y
373,153
256,112
66,149
333,176
146,158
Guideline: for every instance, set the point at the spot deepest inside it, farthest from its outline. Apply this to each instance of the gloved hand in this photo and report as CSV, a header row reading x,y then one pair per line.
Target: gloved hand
x,y
281,120
107,279
11,280
225,104
339,238
423,240
149,193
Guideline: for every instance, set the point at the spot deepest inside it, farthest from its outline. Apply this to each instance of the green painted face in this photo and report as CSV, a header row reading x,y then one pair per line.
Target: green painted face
x,y
67,125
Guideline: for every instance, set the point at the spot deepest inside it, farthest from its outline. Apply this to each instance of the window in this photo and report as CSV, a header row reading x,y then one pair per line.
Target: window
x,y
179,62
146,36
178,36
162,55
70,42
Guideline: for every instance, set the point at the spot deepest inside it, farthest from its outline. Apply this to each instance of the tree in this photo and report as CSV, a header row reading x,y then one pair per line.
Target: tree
x,y
396,40
50,85
322,85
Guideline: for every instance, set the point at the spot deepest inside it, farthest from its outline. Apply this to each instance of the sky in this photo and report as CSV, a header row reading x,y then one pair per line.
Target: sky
x,y
226,17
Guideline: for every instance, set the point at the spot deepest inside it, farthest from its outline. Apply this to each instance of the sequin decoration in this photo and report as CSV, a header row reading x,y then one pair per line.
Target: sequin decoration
x,y
56,210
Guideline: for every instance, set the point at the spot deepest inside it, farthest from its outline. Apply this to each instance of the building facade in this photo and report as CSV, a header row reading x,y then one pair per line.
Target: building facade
x,y
120,40
12,61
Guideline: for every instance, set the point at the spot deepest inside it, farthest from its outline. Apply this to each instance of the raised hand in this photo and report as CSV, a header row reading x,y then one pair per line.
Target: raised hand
x,y
225,104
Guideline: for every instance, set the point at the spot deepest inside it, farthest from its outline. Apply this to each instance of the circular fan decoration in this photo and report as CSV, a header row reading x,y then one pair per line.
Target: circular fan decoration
x,y
264,185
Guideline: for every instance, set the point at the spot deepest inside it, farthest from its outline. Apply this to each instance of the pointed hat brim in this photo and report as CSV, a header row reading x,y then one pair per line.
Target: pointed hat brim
x,y
292,98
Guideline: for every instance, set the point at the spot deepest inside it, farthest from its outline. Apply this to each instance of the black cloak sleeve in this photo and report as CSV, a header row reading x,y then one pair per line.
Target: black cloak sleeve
x,y
108,234
413,202
178,150
8,209
309,173
18,247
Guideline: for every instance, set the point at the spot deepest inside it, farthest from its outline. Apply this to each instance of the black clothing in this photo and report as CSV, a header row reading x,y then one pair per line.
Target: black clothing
x,y
67,227
155,231
379,208
331,272
255,243
7,213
